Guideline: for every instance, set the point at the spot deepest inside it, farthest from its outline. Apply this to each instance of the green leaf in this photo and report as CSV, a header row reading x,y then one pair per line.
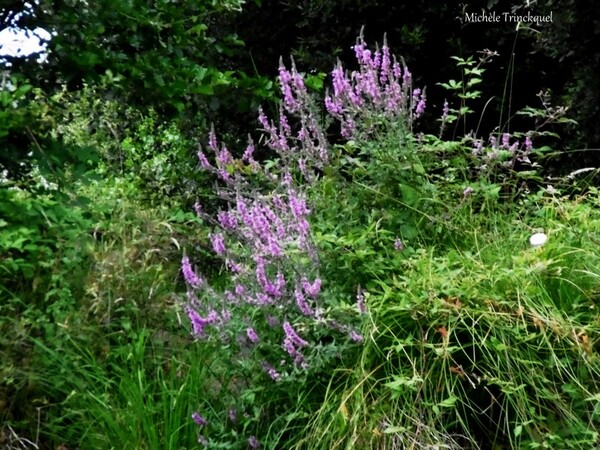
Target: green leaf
x,y
392,430
204,89
450,402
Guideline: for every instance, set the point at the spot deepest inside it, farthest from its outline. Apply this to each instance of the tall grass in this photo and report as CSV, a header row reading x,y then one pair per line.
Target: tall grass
x,y
479,342
141,396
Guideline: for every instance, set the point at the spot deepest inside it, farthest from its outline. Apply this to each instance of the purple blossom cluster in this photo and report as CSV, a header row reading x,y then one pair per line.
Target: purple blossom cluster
x,y
263,235
199,419
307,145
272,229
505,148
381,86
292,344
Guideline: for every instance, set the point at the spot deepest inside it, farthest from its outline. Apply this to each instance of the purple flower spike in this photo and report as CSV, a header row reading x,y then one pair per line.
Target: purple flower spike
x,y
203,161
251,333
293,336
275,376
355,336
227,220
420,107
253,442
212,139
188,273
248,155
218,243
199,322
199,419
312,289
302,303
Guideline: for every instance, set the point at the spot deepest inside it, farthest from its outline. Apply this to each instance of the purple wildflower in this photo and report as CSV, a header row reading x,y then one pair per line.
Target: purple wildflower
x,y
188,273
232,415
224,158
420,107
528,144
212,139
334,107
248,155
355,336
218,243
293,336
340,84
467,192
302,303
275,376
311,289
445,112
284,125
251,333
253,442
234,267
297,205
199,322
348,128
396,69
302,227
406,78
240,289
198,208
291,350
398,245
203,160
199,419
285,81
227,220
505,141
263,299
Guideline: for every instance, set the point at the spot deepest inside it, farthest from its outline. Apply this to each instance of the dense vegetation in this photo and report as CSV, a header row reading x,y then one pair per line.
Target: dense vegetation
x,y
361,262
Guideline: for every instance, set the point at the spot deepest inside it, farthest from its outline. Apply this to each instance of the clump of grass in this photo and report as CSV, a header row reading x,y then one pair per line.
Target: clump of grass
x,y
140,396
480,342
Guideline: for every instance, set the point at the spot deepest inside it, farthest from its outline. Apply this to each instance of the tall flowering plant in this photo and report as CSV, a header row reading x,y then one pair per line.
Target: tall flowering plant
x,y
274,315
381,87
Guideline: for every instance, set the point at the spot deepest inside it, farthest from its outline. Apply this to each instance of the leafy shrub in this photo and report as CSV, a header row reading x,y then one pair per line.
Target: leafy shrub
x,y
472,340
44,242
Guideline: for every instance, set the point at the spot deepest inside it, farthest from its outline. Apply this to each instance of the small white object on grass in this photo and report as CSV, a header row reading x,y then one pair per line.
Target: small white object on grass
x,y
538,239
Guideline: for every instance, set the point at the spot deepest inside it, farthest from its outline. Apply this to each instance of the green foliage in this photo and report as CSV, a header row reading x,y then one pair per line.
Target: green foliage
x,y
91,273
472,338
158,56
139,394
44,243
155,51
466,89
477,341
